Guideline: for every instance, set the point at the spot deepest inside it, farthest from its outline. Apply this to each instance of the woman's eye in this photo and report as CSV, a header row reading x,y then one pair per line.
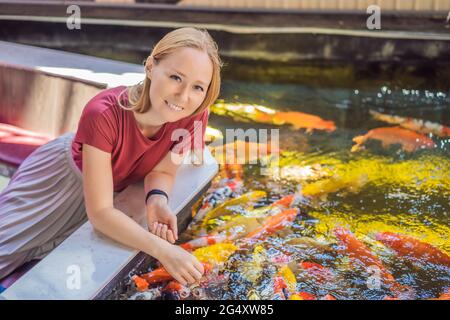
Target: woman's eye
x,y
175,77
199,88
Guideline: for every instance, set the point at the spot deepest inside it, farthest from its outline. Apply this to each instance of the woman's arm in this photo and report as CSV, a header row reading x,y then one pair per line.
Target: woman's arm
x,y
160,219
98,194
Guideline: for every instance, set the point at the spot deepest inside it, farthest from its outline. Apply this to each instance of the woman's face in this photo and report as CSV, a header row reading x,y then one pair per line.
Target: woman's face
x,y
179,83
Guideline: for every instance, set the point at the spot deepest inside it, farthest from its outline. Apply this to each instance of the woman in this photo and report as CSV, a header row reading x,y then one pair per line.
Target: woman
x,y
124,135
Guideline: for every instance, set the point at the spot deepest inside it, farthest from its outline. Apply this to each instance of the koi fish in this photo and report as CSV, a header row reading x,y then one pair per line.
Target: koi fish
x,y
285,202
140,283
217,196
224,208
409,140
161,275
417,125
215,254
289,278
278,288
233,171
411,248
243,112
445,295
252,270
175,291
301,120
208,240
302,296
274,223
322,188
319,272
360,253
262,114
307,242
241,152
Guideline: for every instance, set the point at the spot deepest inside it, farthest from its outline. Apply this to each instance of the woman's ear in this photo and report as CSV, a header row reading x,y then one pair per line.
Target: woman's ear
x,y
148,73
148,67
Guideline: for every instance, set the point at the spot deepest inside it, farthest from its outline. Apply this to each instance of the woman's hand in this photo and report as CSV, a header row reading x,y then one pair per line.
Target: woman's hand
x,y
180,264
160,219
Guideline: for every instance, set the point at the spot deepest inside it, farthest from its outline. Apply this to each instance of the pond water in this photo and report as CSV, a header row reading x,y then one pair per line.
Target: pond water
x,y
349,201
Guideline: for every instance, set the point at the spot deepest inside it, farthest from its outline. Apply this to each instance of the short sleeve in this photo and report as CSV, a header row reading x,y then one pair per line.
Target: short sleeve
x,y
97,127
192,136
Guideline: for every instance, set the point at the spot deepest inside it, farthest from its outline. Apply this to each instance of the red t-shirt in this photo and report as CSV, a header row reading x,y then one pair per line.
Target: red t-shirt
x,y
108,127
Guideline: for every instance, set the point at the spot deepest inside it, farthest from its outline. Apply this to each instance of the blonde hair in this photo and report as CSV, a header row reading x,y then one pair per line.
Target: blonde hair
x,y
138,95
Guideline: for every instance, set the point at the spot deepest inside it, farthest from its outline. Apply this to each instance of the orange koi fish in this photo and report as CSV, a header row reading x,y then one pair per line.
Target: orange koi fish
x,y
359,252
417,125
301,120
233,171
409,140
303,296
413,249
161,274
140,283
445,295
274,223
262,114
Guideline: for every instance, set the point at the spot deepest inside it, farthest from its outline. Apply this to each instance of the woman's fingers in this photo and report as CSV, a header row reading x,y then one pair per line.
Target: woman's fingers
x,y
196,274
199,266
153,227
173,226
189,278
164,232
158,229
180,279
170,236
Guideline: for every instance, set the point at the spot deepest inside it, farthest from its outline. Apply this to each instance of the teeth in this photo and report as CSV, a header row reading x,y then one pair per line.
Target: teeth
x,y
174,106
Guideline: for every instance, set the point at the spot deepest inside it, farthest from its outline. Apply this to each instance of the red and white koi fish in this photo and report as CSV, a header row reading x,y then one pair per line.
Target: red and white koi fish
x,y
217,196
279,287
319,272
209,240
176,290
413,249
274,223
231,233
417,125
409,140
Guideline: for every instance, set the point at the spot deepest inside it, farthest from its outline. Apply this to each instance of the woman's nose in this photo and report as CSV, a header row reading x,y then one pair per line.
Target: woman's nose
x,y
182,95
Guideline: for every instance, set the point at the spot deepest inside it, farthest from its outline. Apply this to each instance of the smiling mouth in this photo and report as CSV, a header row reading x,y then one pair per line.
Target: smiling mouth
x,y
174,107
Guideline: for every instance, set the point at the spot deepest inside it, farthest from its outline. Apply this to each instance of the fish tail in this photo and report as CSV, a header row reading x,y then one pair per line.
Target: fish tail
x,y
359,140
